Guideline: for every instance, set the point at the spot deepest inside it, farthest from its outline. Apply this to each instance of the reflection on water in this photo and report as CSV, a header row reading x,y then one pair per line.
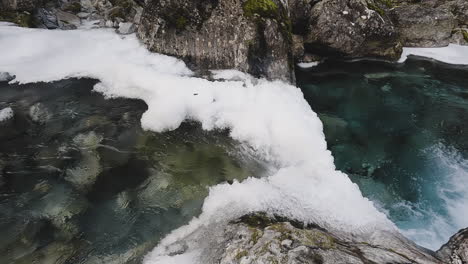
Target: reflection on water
x,y
400,132
81,182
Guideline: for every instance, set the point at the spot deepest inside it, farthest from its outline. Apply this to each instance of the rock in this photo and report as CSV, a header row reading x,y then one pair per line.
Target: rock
x,y
258,238
45,18
459,36
109,23
19,5
39,113
87,6
85,173
83,15
455,251
67,20
351,29
297,47
126,28
251,36
422,26
459,8
5,114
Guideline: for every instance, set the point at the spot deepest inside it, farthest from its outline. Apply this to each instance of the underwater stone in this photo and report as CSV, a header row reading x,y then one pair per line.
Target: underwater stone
x,y
39,113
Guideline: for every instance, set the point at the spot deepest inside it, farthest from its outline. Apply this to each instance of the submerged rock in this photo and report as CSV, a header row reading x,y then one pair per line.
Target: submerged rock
x,y
85,173
39,113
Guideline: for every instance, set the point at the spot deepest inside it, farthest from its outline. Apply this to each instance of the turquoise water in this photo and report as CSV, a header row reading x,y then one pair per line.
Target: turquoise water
x,y
400,131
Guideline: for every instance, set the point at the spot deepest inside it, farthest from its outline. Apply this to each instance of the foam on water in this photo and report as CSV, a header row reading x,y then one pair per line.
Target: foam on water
x,y
272,118
451,199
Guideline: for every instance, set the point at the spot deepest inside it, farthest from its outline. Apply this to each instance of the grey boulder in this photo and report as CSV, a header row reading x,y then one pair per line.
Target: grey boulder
x,y
423,26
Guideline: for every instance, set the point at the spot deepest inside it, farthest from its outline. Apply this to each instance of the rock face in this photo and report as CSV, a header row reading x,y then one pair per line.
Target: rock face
x,y
19,5
456,249
260,239
350,28
422,26
252,36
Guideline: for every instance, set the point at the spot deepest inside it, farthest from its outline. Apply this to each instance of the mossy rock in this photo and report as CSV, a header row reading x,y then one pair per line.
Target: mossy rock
x,y
465,35
262,8
22,19
376,8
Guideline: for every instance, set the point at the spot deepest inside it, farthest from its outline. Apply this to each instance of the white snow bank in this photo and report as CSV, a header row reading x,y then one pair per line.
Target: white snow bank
x,y
453,54
272,118
6,113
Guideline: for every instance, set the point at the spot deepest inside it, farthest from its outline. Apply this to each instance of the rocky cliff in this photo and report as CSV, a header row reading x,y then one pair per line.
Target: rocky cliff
x,y
455,251
253,36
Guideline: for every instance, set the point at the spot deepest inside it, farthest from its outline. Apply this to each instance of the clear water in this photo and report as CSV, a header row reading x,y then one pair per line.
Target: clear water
x,y
81,182
400,131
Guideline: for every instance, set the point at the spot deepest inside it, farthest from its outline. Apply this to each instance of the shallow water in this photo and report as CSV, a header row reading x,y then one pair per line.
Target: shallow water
x,y
81,181
400,132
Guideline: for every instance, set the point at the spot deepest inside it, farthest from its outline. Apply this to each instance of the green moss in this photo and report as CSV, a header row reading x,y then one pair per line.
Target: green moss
x,y
262,8
318,239
181,23
376,8
388,3
465,35
22,19
241,254
256,234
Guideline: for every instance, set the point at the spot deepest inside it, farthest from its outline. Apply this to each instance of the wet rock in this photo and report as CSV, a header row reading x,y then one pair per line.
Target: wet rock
x,y
455,251
45,18
260,239
251,36
422,26
39,113
352,29
67,20
126,28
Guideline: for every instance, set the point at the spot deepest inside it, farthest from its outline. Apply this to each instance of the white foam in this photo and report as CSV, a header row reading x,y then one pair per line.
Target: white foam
x,y
271,117
453,54
6,113
306,65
